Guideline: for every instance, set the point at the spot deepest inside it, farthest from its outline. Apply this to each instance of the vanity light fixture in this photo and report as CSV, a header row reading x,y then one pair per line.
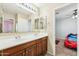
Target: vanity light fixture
x,y
28,6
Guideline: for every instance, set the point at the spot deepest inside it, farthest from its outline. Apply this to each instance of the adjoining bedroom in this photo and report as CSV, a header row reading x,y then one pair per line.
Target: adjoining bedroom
x,y
66,30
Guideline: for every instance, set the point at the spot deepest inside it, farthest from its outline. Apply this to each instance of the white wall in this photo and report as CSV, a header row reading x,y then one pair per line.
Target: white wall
x,y
78,32
65,26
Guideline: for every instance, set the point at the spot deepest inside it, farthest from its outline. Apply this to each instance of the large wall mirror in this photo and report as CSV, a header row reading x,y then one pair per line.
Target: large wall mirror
x,y
0,24
23,24
16,19
12,24
41,23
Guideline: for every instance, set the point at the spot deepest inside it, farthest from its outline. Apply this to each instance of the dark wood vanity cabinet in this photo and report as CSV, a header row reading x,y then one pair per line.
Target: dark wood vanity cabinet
x,y
19,53
31,51
33,48
39,47
0,53
44,45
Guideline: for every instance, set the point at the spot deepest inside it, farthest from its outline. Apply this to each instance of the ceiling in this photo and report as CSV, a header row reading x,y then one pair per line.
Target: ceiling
x,y
65,12
39,4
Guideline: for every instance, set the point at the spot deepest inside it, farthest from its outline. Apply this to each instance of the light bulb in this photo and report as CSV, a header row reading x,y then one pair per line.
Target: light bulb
x,y
76,16
73,17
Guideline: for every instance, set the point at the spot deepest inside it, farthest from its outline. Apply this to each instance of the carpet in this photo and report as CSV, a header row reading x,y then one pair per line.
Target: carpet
x,y
61,50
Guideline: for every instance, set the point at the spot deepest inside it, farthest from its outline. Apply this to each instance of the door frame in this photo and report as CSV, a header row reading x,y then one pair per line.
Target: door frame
x,y
54,21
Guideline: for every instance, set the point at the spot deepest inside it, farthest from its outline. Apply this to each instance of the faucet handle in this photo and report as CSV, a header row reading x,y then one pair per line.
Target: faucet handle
x,y
17,37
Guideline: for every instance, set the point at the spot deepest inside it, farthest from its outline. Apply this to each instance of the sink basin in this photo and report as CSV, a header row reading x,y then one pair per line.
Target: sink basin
x,y
27,36
9,41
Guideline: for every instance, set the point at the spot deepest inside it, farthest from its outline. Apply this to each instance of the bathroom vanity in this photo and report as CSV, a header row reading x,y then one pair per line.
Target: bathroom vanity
x,y
32,46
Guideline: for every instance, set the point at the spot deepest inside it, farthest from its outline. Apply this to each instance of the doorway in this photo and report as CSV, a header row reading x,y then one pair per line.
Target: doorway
x,y
66,24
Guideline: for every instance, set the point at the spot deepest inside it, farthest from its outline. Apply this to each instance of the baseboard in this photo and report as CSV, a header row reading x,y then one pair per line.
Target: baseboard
x,y
50,53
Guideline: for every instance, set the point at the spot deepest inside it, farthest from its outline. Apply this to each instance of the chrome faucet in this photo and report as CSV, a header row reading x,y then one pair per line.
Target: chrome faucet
x,y
17,37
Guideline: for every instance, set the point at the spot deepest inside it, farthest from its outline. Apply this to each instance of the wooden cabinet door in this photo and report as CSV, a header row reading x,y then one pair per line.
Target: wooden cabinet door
x,y
19,53
27,52
0,53
39,48
31,51
44,45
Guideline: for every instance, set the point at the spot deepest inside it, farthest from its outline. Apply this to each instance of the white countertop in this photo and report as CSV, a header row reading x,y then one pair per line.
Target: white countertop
x,y
13,40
